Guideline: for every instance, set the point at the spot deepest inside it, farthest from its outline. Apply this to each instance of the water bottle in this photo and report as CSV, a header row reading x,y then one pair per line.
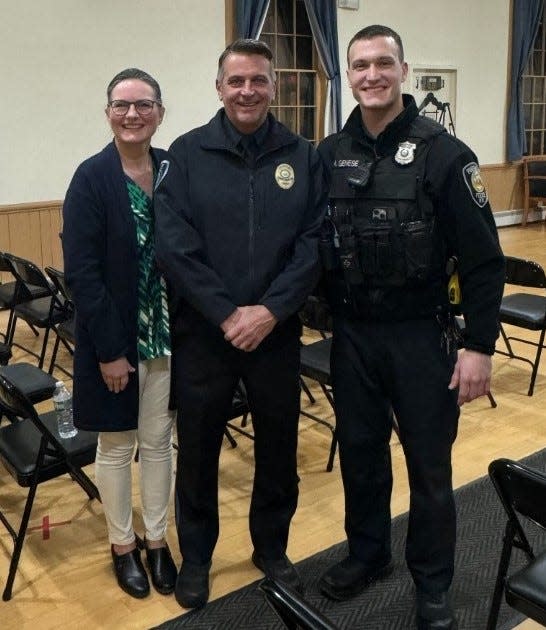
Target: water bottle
x,y
63,408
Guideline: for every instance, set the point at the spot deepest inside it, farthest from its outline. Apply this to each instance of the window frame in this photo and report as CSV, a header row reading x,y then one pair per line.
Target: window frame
x,y
320,88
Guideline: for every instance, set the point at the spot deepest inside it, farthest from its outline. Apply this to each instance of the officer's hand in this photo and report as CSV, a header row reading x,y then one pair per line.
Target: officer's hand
x,y
116,374
230,321
472,374
251,328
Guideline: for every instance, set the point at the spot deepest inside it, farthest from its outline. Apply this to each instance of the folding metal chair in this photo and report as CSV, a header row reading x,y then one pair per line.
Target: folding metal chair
x,y
33,453
522,492
292,609
9,296
44,312
524,309
65,329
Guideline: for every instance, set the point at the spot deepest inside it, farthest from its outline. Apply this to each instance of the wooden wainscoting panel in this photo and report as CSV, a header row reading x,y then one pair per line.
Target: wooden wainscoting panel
x,y
504,184
4,242
31,230
50,223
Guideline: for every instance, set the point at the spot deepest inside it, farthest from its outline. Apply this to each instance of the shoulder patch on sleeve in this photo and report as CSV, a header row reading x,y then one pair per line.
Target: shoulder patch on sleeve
x,y
474,183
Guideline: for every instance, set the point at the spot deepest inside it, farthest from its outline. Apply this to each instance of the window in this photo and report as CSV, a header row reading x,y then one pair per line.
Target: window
x,y
287,32
534,95
301,82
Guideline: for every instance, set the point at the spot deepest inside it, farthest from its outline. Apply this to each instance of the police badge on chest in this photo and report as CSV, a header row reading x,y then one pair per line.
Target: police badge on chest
x,y
405,154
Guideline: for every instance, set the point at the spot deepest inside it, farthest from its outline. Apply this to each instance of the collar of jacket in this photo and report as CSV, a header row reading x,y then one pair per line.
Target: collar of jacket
x,y
393,133
214,136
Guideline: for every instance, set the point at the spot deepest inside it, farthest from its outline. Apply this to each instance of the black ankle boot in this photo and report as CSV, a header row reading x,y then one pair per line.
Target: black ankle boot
x,y
192,585
162,569
130,573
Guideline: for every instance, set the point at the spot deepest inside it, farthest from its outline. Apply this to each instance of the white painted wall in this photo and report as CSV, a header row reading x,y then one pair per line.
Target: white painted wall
x,y
468,35
57,56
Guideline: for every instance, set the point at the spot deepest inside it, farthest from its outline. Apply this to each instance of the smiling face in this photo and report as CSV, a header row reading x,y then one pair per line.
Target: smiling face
x,y
132,128
375,75
247,88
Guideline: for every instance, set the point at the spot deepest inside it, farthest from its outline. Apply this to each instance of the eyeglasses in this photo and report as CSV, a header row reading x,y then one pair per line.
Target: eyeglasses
x,y
143,107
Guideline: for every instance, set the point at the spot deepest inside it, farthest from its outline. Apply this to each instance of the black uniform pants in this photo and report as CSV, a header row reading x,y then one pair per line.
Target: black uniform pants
x,y
207,372
379,368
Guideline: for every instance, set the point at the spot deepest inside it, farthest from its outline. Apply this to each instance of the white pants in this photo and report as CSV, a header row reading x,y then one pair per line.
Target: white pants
x,y
115,452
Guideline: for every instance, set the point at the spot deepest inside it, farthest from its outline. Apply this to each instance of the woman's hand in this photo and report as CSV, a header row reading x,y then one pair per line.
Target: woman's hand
x,y
116,374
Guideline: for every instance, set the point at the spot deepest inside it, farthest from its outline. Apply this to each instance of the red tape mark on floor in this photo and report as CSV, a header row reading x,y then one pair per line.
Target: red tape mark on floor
x,y
46,527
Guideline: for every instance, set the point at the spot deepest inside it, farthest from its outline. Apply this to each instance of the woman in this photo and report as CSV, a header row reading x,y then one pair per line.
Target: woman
x,y
121,363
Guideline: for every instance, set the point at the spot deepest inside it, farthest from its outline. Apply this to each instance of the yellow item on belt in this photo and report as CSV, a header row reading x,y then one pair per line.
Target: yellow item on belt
x,y
454,289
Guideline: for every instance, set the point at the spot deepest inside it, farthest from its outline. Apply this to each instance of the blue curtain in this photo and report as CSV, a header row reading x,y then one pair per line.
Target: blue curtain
x,y
525,20
250,16
323,19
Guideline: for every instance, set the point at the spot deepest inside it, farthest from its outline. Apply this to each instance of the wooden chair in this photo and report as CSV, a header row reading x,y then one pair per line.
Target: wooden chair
x,y
534,183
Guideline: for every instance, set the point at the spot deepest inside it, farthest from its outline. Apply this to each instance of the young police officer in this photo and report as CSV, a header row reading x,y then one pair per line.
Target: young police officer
x,y
406,201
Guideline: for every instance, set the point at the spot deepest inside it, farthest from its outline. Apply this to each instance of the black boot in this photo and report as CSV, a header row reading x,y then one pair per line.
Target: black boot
x,y
192,585
434,612
350,577
162,569
281,570
130,573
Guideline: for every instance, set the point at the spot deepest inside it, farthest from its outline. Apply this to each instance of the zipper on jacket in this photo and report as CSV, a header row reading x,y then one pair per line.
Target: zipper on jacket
x,y
251,227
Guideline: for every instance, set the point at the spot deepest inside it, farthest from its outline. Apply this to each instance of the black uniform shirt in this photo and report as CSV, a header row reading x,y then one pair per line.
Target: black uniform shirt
x,y
460,202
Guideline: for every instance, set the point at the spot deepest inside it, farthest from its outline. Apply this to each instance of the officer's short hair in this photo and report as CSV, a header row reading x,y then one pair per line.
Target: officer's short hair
x,y
246,47
377,30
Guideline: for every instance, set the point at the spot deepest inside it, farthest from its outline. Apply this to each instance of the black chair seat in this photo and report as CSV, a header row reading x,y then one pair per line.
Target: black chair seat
x,y
526,590
33,382
7,293
20,443
38,312
525,310
315,360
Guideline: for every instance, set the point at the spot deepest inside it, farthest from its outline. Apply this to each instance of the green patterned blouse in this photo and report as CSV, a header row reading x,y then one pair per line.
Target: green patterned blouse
x,y
153,317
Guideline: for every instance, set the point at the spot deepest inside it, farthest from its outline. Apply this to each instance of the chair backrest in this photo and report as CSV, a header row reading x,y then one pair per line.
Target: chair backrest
x,y
534,176
522,491
57,278
316,314
292,609
18,405
27,272
5,265
525,273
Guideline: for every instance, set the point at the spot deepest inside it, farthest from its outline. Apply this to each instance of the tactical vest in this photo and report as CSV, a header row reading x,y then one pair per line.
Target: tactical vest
x,y
382,223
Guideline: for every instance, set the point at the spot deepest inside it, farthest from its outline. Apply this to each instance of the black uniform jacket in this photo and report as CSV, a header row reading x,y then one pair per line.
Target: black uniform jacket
x,y
231,234
464,217
101,269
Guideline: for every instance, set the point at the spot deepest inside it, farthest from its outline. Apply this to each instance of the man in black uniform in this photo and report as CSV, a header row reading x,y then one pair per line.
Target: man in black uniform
x,y
407,206
238,215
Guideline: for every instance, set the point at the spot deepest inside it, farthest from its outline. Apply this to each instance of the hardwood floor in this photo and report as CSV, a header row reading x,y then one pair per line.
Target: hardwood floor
x,y
65,577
